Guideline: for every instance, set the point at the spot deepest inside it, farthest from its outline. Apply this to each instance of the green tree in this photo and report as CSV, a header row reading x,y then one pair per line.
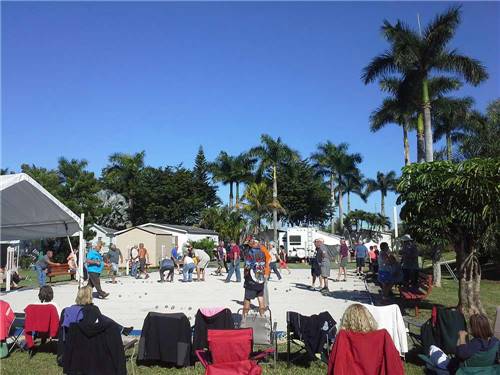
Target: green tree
x,y
366,226
243,173
450,118
258,204
223,171
383,183
303,194
335,162
203,187
122,174
271,153
482,134
456,203
48,178
353,183
228,223
78,191
415,56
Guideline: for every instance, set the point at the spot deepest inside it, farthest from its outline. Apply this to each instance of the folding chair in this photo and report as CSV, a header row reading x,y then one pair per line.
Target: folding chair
x,y
42,321
230,352
16,330
264,330
131,345
297,336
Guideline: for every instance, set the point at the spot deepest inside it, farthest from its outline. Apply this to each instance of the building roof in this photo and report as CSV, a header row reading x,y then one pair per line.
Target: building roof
x,y
181,228
150,230
105,229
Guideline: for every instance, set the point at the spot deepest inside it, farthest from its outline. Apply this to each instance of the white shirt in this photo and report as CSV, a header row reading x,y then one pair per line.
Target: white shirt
x,y
188,260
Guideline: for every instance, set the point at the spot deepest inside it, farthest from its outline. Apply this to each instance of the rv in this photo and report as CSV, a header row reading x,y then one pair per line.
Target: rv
x,y
299,241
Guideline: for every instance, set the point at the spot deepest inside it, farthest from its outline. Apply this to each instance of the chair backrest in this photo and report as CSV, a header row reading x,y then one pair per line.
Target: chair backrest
x,y
261,326
230,345
496,329
6,319
483,359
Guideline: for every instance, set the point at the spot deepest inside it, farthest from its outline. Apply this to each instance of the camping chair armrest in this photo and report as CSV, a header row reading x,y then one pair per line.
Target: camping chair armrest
x,y
129,344
203,357
263,354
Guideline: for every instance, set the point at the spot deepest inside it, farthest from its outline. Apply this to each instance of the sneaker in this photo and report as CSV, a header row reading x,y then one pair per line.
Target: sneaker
x,y
103,296
147,276
160,281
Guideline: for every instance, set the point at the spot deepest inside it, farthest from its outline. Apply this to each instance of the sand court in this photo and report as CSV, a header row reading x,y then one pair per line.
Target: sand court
x,y
130,300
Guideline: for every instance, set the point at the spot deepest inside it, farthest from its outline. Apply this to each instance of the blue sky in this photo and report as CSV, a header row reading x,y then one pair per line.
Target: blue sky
x,y
84,80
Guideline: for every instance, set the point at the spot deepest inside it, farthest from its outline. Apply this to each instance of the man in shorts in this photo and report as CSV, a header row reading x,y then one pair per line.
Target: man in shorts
x,y
203,260
324,263
115,258
143,260
254,275
361,253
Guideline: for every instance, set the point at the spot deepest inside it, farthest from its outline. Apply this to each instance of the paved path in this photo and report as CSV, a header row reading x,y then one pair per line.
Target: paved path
x,y
130,300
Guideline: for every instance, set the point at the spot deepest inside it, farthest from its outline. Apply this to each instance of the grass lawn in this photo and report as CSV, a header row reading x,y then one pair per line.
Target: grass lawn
x,y
447,295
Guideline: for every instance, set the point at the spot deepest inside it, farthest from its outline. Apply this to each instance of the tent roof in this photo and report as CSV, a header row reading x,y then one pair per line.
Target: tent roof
x,y
28,211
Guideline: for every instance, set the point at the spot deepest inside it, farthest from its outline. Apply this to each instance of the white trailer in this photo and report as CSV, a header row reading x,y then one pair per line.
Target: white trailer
x,y
299,241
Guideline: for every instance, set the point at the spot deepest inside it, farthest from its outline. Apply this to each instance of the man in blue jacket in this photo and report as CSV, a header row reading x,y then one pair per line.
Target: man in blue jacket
x,y
95,264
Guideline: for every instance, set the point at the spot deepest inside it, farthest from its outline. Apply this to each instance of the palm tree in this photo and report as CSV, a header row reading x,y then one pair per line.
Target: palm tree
x,y
222,170
335,162
450,119
271,153
243,173
353,183
259,204
122,175
415,56
383,183
402,108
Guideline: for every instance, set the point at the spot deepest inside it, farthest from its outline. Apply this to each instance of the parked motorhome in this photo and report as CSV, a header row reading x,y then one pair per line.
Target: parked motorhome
x,y
299,241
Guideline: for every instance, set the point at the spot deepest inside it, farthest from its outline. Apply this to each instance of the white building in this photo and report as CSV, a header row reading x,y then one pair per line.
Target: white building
x,y
105,235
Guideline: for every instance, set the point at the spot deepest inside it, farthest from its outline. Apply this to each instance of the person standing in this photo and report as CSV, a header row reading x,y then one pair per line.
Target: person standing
x,y
42,265
316,269
254,274
409,261
175,257
143,260
221,258
95,264
115,258
134,261
273,265
234,257
343,257
361,252
283,259
324,263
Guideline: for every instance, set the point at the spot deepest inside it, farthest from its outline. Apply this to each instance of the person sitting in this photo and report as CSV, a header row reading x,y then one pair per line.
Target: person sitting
x,y
357,318
90,313
481,351
167,264
46,295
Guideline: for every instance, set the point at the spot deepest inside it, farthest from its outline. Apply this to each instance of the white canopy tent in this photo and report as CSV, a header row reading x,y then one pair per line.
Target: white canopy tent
x,y
28,211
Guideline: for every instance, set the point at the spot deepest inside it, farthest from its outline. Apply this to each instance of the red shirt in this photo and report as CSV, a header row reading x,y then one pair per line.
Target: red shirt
x,y
234,253
42,319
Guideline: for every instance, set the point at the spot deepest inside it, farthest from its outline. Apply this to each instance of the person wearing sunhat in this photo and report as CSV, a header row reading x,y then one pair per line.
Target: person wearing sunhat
x,y
409,261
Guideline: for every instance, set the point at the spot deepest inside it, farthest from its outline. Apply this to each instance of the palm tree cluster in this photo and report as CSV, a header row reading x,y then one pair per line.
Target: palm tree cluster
x,y
411,72
258,170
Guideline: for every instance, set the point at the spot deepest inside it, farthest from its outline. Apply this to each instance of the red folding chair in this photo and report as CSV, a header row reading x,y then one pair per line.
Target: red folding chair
x,y
230,352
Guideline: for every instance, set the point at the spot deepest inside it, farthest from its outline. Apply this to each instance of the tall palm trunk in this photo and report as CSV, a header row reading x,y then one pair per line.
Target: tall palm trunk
x,y
237,194
341,209
382,203
449,146
130,210
420,138
348,202
429,152
406,144
275,206
332,194
231,195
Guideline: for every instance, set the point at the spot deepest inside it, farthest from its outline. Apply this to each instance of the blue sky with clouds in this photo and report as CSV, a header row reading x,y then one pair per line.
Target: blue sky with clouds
x,y
86,79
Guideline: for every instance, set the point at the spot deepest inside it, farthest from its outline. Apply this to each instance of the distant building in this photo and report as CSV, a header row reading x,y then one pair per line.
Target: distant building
x,y
182,234
103,234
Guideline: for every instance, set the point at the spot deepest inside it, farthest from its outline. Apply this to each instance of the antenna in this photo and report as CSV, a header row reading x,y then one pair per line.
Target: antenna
x,y
419,27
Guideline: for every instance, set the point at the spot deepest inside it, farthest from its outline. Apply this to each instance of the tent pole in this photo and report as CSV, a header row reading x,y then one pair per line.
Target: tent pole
x,y
81,252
